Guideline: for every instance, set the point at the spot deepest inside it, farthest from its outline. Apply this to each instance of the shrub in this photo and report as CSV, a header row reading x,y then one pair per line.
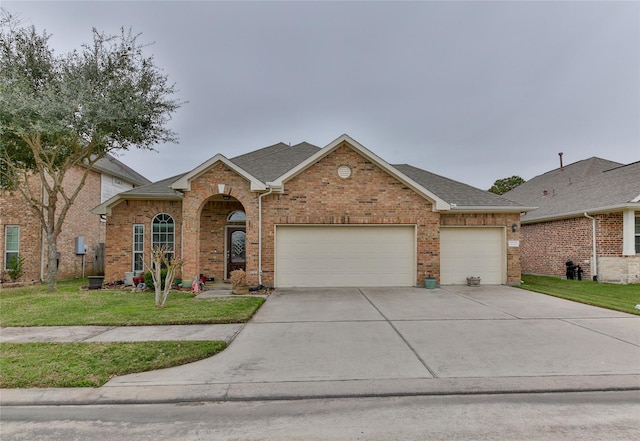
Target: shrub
x,y
14,267
238,277
148,278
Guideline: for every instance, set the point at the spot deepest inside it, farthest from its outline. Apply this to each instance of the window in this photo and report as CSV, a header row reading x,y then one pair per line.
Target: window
x,y
11,243
237,216
163,233
637,234
138,247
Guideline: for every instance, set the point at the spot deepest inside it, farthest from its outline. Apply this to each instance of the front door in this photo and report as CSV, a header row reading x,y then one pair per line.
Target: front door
x,y
236,249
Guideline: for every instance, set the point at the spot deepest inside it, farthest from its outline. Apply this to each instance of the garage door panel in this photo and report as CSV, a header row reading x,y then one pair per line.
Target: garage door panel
x,y
345,256
472,252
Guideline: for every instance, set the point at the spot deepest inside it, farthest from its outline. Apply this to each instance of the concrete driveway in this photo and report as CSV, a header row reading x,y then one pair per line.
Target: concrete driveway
x,y
376,341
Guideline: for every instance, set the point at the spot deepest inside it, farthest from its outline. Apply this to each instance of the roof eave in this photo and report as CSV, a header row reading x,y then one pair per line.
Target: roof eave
x,y
580,213
106,206
491,209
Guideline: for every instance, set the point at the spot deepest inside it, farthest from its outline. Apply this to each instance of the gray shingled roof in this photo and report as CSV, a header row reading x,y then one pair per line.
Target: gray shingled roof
x,y
271,162
589,185
112,166
156,190
454,192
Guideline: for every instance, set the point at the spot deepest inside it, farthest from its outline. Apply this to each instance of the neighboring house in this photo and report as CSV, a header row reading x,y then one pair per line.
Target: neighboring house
x,y
307,216
576,201
22,231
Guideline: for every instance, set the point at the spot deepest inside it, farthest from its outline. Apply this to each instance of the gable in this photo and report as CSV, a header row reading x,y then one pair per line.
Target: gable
x,y
346,141
184,182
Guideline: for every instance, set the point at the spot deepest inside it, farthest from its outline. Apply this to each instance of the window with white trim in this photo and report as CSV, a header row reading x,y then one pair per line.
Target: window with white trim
x,y
163,229
138,247
11,244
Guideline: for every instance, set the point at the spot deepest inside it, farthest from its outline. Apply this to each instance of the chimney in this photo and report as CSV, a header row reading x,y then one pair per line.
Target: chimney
x,y
560,154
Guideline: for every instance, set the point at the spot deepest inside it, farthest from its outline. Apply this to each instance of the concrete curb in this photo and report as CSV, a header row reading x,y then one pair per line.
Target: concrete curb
x,y
177,393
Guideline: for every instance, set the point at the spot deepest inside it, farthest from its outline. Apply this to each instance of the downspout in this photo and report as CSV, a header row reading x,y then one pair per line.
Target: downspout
x,y
260,233
594,265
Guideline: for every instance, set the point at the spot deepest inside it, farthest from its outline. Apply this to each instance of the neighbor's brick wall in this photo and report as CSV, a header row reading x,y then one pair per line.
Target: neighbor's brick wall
x,y
119,242
369,196
79,222
15,211
493,220
546,246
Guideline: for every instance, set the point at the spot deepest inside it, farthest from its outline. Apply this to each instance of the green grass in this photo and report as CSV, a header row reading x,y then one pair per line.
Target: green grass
x,y
25,365
606,295
34,306
28,365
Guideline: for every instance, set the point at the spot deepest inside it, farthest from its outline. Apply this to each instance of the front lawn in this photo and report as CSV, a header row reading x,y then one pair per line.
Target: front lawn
x,y
25,365
34,306
93,364
606,295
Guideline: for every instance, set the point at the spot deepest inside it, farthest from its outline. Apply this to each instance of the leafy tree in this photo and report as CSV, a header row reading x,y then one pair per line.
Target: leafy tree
x,y
501,186
61,112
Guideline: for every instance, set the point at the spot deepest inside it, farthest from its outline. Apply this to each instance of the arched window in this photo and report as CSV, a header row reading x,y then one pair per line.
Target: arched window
x,y
237,216
163,232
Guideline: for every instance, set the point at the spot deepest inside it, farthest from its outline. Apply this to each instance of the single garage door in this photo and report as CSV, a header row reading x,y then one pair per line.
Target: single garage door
x,y
478,251
345,256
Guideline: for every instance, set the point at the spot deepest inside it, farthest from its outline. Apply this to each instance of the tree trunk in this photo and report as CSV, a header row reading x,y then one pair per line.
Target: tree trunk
x,y
52,258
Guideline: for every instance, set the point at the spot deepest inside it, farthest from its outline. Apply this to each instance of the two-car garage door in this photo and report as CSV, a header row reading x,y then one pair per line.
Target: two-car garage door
x,y
383,255
354,255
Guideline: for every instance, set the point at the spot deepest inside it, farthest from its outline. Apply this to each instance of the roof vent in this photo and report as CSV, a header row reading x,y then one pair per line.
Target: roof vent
x,y
344,171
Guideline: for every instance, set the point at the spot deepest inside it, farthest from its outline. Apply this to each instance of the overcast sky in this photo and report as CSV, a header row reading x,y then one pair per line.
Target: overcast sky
x,y
474,91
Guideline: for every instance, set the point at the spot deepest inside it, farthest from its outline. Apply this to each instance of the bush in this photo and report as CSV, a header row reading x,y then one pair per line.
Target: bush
x,y
148,278
14,267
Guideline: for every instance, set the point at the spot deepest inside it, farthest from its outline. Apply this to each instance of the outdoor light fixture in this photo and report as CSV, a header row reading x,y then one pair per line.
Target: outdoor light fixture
x,y
226,197
514,227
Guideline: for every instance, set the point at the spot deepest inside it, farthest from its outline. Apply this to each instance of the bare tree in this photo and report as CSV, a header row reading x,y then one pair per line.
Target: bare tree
x,y
160,258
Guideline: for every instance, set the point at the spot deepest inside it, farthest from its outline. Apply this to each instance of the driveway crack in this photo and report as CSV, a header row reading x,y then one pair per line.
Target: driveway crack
x,y
411,348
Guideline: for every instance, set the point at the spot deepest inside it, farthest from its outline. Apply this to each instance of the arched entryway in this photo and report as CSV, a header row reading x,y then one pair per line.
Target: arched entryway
x,y
222,237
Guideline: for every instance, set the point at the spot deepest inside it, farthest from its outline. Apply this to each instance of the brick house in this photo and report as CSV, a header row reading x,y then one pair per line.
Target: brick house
x,y
307,216
589,214
22,232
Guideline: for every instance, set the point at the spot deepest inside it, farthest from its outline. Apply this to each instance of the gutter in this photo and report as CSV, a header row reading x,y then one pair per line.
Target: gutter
x,y
594,265
490,208
633,205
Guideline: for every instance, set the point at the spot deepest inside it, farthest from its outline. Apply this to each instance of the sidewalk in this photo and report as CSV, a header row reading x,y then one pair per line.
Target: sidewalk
x,y
369,342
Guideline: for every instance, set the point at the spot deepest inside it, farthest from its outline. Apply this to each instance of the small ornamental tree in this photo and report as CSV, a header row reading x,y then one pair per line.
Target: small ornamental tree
x,y
58,113
162,262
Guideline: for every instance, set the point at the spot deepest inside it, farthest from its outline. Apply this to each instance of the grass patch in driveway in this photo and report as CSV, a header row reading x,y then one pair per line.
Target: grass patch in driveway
x,y
42,365
71,306
606,295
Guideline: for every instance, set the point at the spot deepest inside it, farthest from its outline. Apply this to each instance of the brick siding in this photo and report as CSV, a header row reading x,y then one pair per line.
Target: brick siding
x,y
547,246
316,196
79,222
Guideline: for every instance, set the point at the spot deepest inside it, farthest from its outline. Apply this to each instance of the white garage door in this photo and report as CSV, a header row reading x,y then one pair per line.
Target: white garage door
x,y
472,252
345,256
